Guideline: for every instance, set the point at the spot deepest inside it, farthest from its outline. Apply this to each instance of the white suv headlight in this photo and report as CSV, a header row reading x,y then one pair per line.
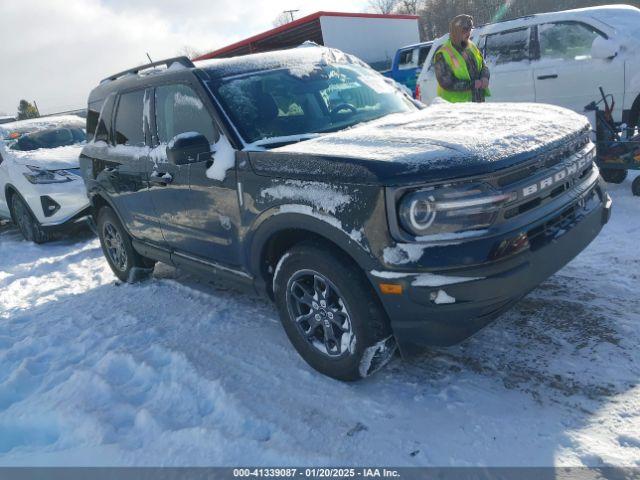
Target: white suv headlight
x,y
40,175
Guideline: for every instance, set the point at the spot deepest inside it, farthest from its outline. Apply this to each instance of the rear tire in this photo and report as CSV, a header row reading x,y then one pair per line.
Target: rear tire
x,y
127,264
330,313
613,175
635,186
28,225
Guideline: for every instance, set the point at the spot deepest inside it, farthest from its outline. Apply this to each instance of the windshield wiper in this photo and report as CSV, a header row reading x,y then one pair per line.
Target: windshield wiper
x,y
274,142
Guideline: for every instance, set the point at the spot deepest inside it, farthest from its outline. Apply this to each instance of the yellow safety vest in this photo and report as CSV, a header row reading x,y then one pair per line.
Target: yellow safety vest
x,y
459,68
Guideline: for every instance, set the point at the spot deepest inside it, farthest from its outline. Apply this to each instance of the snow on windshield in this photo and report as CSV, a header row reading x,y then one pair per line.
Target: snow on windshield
x,y
278,103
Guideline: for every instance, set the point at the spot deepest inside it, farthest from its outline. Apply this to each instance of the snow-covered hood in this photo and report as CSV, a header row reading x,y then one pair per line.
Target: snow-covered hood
x,y
447,135
49,158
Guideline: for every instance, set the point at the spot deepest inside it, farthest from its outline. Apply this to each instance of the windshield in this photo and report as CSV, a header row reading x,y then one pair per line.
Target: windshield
x,y
49,138
625,20
323,98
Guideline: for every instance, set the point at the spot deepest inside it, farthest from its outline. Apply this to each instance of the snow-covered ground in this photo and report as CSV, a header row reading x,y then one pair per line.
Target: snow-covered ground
x,y
175,371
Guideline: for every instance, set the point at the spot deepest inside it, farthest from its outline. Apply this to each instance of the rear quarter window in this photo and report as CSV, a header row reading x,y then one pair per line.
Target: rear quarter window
x,y
129,126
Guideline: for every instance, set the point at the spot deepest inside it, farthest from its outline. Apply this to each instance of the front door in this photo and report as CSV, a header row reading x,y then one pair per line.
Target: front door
x,y
199,215
566,75
507,54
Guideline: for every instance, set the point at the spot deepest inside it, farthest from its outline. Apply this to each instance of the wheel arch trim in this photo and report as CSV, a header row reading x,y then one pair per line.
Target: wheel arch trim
x,y
302,219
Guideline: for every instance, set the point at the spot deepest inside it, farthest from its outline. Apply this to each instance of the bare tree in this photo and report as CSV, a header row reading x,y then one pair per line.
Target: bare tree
x,y
190,52
408,7
383,6
281,19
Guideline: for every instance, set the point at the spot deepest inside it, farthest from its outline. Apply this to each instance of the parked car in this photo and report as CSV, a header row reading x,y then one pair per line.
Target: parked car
x,y
560,58
371,221
41,189
407,64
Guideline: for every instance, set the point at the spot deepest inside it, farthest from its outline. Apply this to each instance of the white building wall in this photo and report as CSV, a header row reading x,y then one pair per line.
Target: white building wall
x,y
371,39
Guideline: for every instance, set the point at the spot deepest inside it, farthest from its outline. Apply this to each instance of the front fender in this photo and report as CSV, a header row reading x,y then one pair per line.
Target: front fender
x,y
302,222
304,218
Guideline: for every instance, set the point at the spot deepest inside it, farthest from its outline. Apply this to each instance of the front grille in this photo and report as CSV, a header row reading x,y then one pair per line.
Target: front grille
x,y
541,235
546,196
544,161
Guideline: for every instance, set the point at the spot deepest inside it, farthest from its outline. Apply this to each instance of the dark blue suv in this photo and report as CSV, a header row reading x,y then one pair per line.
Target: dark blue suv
x,y
373,223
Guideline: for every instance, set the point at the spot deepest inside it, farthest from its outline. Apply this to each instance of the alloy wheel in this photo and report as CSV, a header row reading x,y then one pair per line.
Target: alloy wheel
x,y
114,246
319,312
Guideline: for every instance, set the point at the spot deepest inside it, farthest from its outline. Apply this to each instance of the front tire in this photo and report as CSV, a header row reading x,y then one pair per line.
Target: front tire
x,y
127,264
613,175
330,313
28,225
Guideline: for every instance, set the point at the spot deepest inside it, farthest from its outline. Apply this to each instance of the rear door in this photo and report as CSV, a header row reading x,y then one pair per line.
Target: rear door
x,y
199,215
566,75
508,56
126,163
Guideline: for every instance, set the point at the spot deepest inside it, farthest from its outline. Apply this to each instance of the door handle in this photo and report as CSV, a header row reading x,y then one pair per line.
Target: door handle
x,y
547,77
158,178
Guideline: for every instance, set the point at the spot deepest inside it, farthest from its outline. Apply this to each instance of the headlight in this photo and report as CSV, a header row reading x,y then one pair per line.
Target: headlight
x,y
40,175
450,210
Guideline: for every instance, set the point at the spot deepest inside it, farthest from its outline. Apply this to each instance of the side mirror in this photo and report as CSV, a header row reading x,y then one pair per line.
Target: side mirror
x,y
603,48
189,147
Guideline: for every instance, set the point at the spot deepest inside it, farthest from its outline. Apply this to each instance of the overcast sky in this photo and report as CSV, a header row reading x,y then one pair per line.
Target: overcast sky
x,y
55,51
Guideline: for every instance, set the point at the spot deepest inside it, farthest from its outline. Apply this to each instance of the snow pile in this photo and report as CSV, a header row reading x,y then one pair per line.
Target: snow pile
x,y
443,298
447,134
174,371
320,195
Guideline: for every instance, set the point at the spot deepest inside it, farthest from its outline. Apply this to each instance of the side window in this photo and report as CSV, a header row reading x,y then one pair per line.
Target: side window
x,y
129,126
505,47
422,55
566,40
406,60
179,109
104,120
93,114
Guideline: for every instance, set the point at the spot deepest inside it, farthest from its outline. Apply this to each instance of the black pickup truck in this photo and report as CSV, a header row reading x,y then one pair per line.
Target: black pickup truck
x,y
372,221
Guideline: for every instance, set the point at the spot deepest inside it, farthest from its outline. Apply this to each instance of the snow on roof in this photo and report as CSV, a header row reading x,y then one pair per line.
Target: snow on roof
x,y
42,123
623,17
291,58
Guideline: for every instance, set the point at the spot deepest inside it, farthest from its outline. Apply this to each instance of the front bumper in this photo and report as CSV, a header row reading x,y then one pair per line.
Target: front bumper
x,y
70,201
446,307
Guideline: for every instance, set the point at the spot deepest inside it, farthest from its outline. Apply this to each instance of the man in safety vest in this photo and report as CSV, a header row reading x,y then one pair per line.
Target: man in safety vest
x,y
460,69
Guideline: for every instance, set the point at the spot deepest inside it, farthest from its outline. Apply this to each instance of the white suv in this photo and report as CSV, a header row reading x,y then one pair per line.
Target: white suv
x,y
560,58
41,188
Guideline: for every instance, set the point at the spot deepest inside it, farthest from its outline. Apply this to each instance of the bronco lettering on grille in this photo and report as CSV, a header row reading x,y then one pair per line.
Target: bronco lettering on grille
x,y
559,176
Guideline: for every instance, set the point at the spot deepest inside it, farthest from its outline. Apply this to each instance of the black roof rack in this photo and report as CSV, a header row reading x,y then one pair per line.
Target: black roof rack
x,y
184,61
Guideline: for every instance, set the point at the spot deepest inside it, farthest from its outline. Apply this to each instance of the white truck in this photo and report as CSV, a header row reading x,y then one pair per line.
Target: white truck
x,y
560,58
